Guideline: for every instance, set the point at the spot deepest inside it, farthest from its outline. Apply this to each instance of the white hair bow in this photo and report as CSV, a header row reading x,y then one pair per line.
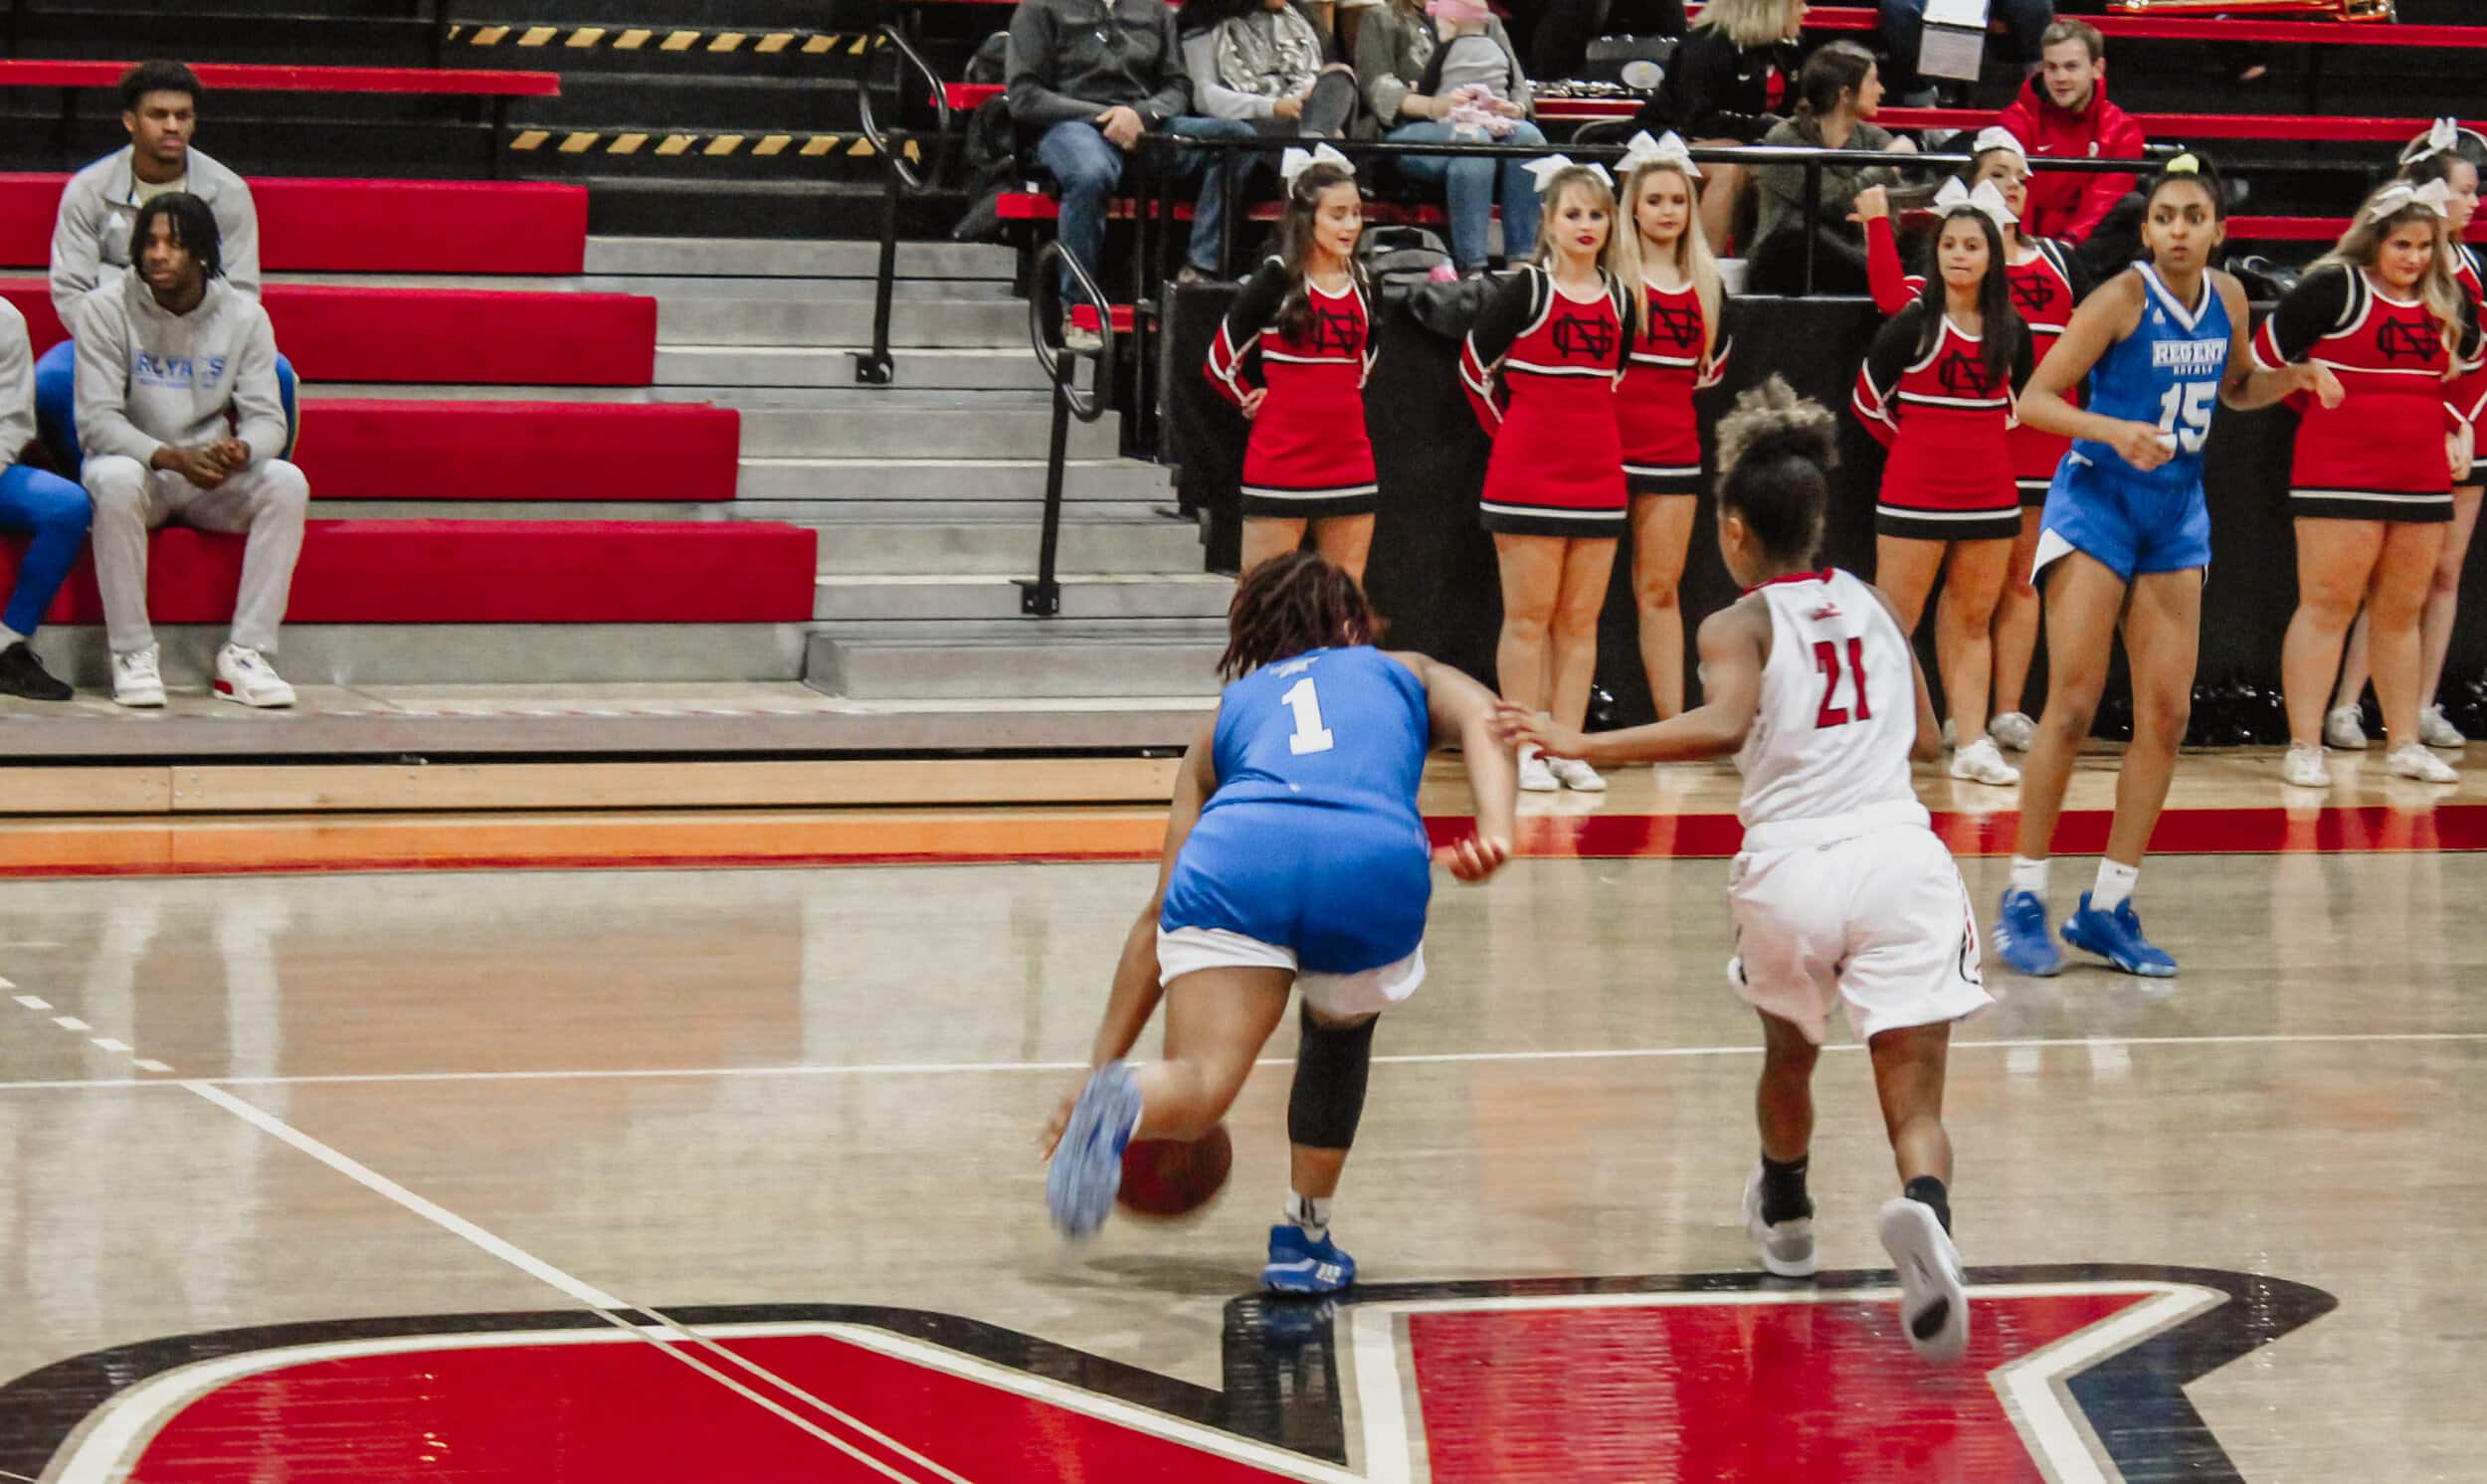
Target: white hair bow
x,y
1998,138
1544,171
1297,161
2442,138
2399,196
1985,199
1667,149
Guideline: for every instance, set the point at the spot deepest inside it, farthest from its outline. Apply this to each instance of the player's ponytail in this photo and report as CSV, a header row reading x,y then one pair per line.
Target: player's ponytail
x,y
1291,604
1774,451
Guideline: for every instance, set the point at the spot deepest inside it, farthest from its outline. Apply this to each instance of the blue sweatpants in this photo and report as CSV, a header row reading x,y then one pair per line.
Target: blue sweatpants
x,y
56,404
56,512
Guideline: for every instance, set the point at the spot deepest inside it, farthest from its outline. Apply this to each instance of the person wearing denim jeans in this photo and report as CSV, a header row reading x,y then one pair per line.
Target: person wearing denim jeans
x,y
1400,55
1087,167
1472,184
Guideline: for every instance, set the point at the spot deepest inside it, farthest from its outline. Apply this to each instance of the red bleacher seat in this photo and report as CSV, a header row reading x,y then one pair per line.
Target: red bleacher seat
x,y
363,226
355,447
231,76
483,572
435,334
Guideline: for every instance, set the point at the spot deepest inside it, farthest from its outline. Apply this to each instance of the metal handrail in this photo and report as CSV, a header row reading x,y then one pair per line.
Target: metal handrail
x,y
1043,597
873,367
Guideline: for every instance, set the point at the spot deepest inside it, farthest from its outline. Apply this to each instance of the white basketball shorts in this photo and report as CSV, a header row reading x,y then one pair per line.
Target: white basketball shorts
x,y
1336,997
1880,920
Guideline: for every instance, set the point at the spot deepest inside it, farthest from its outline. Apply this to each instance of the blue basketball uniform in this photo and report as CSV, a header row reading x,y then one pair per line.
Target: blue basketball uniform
x,y
2166,373
1312,842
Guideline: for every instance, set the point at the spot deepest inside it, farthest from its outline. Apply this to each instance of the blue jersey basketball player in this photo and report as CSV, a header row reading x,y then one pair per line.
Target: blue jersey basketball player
x,y
2127,533
1294,859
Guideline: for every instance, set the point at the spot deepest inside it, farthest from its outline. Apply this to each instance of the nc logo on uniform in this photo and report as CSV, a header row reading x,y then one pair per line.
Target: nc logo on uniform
x,y
1579,336
2030,294
1963,375
1673,325
2396,341
1334,333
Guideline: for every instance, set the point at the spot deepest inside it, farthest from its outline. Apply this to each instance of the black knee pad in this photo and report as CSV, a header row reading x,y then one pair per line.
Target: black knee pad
x,y
1328,1099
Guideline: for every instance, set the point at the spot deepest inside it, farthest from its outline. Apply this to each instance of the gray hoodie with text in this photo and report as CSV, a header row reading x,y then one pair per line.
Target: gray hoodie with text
x,y
147,377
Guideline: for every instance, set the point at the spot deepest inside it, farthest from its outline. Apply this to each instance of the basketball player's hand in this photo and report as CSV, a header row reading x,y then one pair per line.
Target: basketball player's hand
x,y
1512,725
1253,400
1873,203
1120,124
2144,446
1473,858
1060,1119
2322,383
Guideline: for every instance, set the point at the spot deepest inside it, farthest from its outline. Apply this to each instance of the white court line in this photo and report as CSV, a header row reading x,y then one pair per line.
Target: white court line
x,y
72,1023
31,1002
584,1293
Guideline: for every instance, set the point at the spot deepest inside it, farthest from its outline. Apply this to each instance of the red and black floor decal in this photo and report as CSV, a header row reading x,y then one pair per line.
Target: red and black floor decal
x,y
2074,1374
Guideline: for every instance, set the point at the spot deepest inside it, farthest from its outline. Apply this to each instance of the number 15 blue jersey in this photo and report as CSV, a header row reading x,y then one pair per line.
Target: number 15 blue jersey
x,y
2166,373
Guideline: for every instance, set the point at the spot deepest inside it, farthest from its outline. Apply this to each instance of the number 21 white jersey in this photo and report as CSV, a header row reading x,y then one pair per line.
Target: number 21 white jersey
x,y
1838,711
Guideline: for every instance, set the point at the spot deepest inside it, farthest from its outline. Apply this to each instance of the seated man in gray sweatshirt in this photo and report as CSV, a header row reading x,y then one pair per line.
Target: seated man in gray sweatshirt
x,y
177,408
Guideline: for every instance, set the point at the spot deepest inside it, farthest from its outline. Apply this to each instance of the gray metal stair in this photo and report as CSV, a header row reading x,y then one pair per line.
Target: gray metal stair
x,y
816,480
1032,657
737,257
947,597
991,369
1008,430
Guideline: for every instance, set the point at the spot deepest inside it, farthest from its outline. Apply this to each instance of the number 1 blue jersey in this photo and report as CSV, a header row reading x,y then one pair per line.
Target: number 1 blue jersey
x,y
1340,728
2166,373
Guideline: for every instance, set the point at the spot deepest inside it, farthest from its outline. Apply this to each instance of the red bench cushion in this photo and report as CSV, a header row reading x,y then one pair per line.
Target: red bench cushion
x,y
435,334
250,77
483,572
359,449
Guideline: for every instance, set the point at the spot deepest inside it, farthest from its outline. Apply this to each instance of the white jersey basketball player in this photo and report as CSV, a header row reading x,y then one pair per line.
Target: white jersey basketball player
x,y
1842,893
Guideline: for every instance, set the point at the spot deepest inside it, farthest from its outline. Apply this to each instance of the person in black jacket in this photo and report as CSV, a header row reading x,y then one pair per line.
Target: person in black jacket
x,y
1725,86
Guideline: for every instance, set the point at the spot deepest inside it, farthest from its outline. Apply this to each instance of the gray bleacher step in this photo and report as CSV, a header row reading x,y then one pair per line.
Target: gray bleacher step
x,y
1006,547
992,323
918,432
696,290
742,256
521,510
1031,657
819,366
813,479
847,398
460,654
935,598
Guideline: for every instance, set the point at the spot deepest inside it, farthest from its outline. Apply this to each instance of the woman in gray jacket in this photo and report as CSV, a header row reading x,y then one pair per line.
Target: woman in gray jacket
x,y
1451,74
1266,62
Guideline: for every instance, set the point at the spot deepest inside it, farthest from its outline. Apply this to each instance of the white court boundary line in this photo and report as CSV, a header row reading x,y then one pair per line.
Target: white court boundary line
x,y
601,1303
2029,1386
1434,1058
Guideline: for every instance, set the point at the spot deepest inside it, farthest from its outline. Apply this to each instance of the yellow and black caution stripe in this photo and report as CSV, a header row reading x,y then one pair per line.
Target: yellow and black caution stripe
x,y
669,143
663,41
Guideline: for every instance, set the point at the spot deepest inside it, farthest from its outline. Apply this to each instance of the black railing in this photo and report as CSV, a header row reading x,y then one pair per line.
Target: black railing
x,y
1041,598
900,179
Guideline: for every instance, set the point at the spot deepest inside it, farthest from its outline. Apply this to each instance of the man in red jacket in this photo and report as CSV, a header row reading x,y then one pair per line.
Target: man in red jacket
x,y
2063,113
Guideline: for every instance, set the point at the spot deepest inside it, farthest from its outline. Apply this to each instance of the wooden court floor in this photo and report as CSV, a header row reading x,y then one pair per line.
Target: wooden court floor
x,y
524,1171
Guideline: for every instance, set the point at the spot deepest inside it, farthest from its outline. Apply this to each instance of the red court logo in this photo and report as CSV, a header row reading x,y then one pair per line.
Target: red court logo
x,y
2074,1374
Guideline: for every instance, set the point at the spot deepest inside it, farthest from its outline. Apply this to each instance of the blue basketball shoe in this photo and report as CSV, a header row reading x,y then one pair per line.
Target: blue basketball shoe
x,y
1298,1264
1087,1171
2020,935
2117,937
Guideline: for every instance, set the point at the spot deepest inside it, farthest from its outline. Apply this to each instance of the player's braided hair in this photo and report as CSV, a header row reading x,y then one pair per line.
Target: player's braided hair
x,y
1291,604
1773,453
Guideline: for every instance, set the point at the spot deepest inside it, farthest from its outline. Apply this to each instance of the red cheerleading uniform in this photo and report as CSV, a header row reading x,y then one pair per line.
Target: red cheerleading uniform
x,y
2469,390
2380,455
1948,424
2042,292
1308,454
1670,360
1540,368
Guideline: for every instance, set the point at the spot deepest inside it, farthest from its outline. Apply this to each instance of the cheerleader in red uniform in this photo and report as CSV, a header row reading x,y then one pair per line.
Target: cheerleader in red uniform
x,y
2451,154
2372,482
1540,367
1294,354
1938,389
2044,291
1664,264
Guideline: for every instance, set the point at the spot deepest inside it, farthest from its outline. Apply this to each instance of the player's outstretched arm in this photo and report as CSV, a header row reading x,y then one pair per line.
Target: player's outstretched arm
x,y
2246,383
1461,711
2104,318
1735,642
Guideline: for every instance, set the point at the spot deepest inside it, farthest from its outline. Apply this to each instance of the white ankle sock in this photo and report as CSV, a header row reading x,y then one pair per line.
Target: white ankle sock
x,y
2028,874
2115,883
1311,1213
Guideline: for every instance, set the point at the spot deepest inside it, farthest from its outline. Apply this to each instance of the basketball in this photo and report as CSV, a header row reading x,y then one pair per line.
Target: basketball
x,y
1166,1178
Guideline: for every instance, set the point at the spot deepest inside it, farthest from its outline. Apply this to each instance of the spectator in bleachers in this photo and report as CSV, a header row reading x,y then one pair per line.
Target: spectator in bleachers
x,y
1443,72
1904,31
1837,95
1728,85
91,239
1558,44
177,405
1264,61
31,502
1088,78
2063,113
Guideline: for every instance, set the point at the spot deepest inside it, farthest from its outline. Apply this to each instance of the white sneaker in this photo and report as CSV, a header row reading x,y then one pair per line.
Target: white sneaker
x,y
1979,762
1934,1299
135,679
1577,775
2412,760
2304,767
244,675
2434,731
1535,776
2014,729
1787,1247
2344,728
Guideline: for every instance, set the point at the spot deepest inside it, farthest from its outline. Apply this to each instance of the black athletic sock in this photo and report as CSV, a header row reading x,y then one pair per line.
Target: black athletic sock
x,y
1783,1190
1928,1191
